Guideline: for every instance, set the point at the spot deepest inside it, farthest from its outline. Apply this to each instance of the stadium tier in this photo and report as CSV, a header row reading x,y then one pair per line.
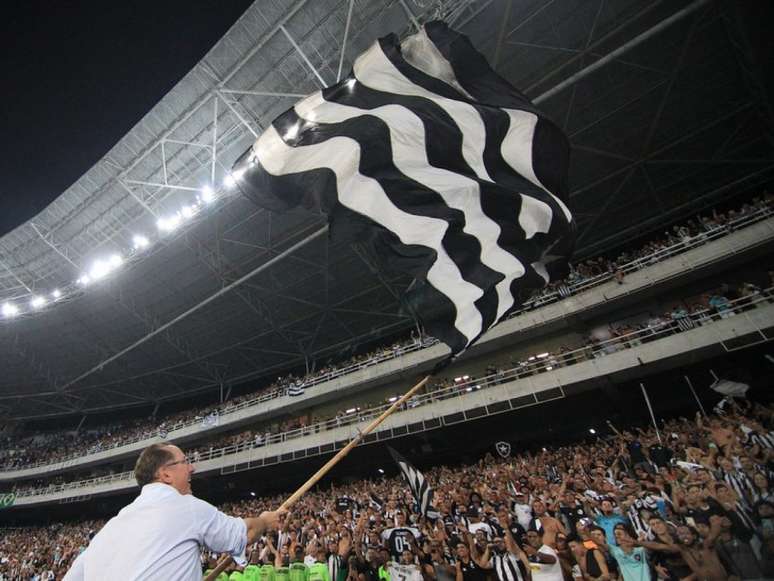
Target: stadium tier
x,y
254,447
388,290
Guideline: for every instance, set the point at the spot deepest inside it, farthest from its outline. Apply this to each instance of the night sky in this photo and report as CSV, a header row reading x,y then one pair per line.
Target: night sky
x,y
76,76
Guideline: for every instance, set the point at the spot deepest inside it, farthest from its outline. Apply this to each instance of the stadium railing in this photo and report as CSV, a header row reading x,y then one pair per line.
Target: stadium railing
x,y
526,369
546,298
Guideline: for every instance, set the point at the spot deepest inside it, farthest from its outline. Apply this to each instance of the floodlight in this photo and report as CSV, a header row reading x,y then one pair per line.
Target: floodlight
x,y
99,269
380,470
393,399
208,194
232,178
10,310
187,211
139,242
84,280
37,302
56,293
115,261
168,224
592,431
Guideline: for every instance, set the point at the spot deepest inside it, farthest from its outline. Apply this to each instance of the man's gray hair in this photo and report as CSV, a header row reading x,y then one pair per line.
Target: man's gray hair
x,y
149,462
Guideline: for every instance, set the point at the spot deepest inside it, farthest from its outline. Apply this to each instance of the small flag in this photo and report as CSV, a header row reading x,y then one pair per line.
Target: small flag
x,y
685,323
296,389
730,388
503,449
420,488
512,488
375,502
210,420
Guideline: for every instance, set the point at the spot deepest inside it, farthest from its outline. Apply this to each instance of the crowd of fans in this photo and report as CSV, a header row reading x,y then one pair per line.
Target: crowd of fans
x,y
682,316
18,451
693,501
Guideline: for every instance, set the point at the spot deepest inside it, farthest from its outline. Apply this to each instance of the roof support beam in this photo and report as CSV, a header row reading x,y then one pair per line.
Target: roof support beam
x,y
624,48
344,41
163,327
305,58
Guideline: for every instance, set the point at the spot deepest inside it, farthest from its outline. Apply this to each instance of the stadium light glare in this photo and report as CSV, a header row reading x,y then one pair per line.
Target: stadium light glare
x,y
592,431
115,261
10,310
187,211
380,470
169,224
37,302
56,293
232,178
84,280
99,269
139,242
350,83
208,194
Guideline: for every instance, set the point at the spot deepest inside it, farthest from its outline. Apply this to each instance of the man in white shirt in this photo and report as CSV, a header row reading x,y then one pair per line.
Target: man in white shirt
x,y
159,535
543,560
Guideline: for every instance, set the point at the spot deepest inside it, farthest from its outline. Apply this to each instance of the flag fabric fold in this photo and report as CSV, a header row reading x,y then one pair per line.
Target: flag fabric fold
x,y
449,172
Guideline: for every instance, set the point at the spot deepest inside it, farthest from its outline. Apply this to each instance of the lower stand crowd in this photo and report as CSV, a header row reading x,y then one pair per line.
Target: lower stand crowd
x,y
692,502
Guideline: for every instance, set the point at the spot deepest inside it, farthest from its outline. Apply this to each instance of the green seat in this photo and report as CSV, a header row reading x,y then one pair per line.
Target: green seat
x,y
319,572
267,573
252,573
298,572
236,576
282,574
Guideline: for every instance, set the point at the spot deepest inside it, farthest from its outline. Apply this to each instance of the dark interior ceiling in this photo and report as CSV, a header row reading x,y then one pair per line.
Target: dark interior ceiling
x,y
666,103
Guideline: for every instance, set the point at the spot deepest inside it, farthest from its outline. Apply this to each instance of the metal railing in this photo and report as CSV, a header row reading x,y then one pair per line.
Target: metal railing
x,y
533,366
545,298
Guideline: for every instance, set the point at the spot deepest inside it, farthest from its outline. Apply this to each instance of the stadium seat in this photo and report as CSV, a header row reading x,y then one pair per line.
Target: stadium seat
x,y
267,573
319,572
252,573
298,572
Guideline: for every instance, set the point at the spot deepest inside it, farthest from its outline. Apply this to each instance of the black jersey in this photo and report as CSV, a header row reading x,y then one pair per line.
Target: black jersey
x,y
399,539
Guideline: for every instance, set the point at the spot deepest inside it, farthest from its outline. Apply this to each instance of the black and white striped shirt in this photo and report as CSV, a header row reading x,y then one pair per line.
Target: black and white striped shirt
x,y
740,483
506,567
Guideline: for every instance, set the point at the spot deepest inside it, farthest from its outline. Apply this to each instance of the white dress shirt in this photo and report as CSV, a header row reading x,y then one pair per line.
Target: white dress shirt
x,y
158,536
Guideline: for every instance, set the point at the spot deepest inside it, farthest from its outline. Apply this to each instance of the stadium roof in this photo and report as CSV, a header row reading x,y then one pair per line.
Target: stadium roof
x,y
664,102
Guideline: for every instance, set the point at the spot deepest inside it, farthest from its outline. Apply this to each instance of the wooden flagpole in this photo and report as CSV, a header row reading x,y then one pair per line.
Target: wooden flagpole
x,y
304,488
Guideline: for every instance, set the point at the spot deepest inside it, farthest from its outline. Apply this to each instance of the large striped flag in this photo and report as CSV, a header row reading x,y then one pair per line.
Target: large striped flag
x,y
420,487
446,169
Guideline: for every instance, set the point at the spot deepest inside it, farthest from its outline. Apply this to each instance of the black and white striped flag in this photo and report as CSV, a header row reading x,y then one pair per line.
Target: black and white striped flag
x,y
446,169
296,389
420,487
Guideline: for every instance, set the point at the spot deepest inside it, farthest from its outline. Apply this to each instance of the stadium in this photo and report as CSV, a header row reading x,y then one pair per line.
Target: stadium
x,y
608,420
